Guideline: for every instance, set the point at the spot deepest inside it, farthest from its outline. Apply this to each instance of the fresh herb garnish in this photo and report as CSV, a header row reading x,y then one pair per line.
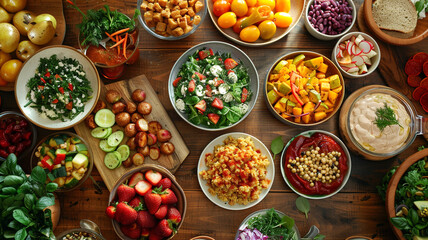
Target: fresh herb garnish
x,y
96,23
303,205
385,117
276,146
272,225
23,201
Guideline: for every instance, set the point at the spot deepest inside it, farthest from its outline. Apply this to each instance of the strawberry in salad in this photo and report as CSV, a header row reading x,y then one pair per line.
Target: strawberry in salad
x,y
211,91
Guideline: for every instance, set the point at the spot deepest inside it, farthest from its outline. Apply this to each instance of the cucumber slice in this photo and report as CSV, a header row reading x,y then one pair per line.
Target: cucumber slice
x,y
119,157
124,152
111,160
105,118
115,139
105,147
101,133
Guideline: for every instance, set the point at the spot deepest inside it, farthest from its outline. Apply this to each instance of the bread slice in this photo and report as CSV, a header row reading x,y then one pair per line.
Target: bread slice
x,y
396,15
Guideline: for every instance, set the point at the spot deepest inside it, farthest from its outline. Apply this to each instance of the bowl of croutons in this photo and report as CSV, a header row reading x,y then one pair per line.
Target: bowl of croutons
x,y
171,19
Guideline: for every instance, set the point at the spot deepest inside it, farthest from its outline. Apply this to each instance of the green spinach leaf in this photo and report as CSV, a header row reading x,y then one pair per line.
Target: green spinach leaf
x,y
303,205
20,216
276,146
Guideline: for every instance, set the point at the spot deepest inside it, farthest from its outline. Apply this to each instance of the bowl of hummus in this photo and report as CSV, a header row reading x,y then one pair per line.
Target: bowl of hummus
x,y
379,122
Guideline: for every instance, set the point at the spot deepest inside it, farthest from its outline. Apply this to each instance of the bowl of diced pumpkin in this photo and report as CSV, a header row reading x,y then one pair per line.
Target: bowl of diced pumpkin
x,y
304,88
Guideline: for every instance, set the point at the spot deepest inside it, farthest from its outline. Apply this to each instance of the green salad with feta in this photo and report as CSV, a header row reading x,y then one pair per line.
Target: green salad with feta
x,y
59,88
212,89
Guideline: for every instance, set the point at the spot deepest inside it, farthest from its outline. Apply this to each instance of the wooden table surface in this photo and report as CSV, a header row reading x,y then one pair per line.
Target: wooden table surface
x,y
356,210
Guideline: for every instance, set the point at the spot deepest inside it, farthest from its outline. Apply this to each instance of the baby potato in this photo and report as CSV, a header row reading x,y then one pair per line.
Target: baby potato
x,y
135,117
131,107
130,130
138,95
154,127
144,108
151,139
142,125
13,6
154,153
112,96
141,139
118,107
167,148
122,119
5,17
164,135
137,159
127,163
26,49
100,105
144,150
132,144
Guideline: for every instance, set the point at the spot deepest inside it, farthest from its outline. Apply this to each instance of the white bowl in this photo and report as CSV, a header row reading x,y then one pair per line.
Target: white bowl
x,y
202,166
339,142
220,47
321,36
374,60
29,69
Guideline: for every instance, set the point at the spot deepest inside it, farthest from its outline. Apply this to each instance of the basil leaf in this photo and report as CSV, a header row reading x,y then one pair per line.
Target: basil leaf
x,y
303,205
276,146
19,172
38,174
15,225
29,201
413,214
400,223
21,234
8,190
11,162
38,188
44,202
20,216
25,188
51,187
9,234
13,180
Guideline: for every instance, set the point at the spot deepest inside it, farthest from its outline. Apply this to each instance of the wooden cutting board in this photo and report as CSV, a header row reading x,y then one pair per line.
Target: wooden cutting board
x,y
125,88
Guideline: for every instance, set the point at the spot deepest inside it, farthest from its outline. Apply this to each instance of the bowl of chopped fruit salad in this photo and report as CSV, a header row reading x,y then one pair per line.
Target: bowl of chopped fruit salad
x,y
213,86
57,87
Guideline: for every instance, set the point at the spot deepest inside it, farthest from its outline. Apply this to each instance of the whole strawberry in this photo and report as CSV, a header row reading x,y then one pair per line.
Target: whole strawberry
x,y
161,212
111,211
131,231
153,200
168,197
174,215
145,219
137,203
125,214
164,228
125,193
165,183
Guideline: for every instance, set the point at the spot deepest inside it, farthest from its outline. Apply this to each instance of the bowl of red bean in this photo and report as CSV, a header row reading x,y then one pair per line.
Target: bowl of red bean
x,y
330,19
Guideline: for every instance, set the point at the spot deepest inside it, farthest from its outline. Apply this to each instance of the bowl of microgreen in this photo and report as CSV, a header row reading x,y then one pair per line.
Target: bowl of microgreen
x,y
271,224
213,86
57,88
406,194
379,122
26,202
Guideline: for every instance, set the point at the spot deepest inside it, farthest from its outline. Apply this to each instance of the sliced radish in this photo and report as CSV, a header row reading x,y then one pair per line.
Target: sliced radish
x,y
358,60
349,65
353,39
342,46
339,54
344,68
348,48
358,51
353,70
359,39
365,46
366,60
371,54
363,69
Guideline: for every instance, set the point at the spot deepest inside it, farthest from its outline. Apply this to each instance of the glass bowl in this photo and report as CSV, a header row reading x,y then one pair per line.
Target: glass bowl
x,y
151,31
114,70
34,159
417,125
175,187
18,116
87,227
316,196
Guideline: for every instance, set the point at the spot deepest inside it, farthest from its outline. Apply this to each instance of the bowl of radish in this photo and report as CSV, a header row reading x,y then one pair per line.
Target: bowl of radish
x,y
356,54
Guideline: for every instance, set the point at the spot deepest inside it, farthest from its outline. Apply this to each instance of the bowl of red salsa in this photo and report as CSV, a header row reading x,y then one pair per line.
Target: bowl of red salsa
x,y
316,164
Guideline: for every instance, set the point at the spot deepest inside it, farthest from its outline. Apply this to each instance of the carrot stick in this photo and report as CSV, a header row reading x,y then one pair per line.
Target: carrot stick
x,y
118,49
124,45
112,38
118,43
120,31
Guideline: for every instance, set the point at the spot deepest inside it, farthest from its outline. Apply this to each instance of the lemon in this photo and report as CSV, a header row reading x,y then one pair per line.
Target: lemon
x,y
105,118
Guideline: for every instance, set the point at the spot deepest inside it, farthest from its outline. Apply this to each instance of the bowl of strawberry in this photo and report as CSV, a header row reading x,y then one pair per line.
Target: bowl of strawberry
x,y
17,135
147,202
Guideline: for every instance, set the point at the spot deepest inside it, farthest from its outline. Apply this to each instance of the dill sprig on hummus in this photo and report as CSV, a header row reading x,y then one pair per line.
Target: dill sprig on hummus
x,y
385,117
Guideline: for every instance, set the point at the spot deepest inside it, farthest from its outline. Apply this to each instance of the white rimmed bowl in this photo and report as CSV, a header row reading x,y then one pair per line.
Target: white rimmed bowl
x,y
202,166
325,37
220,47
374,60
28,71
308,134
